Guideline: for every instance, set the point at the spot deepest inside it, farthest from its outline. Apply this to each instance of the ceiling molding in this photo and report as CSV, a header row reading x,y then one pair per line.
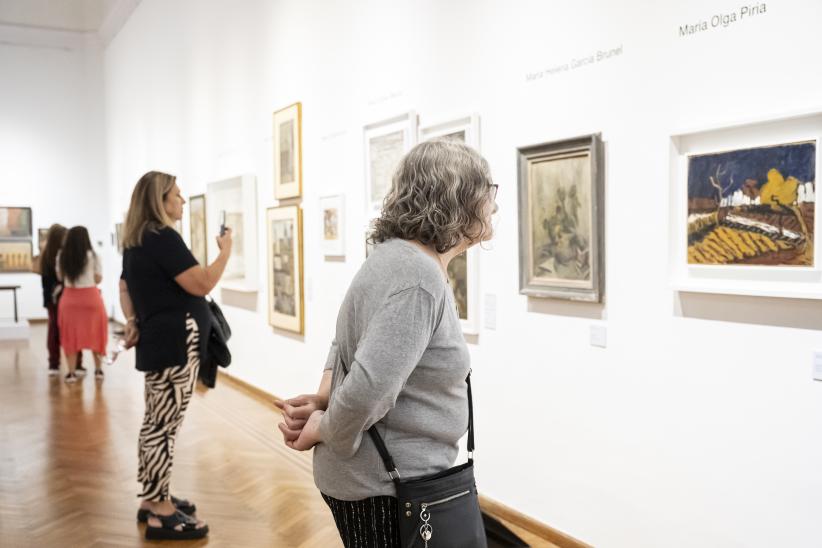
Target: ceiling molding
x,y
52,37
116,20
38,37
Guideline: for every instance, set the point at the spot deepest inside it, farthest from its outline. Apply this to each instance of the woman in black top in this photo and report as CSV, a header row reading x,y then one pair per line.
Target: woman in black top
x,y
162,290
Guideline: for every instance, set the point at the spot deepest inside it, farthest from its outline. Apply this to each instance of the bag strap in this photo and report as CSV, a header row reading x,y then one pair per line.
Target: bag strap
x,y
388,460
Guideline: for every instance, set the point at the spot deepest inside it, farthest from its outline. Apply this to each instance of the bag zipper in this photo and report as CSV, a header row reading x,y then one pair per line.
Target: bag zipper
x,y
426,531
425,505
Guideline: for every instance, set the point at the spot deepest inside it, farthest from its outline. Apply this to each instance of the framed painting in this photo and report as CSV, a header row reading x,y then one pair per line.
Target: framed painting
x,y
197,226
743,208
284,229
15,223
463,277
118,234
15,256
42,238
561,219
753,206
332,211
234,199
386,142
288,152
463,270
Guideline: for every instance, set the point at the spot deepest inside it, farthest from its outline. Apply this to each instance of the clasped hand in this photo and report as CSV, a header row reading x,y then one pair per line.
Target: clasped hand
x,y
301,421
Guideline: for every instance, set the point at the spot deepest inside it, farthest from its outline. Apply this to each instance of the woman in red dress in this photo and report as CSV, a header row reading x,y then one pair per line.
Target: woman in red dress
x,y
81,315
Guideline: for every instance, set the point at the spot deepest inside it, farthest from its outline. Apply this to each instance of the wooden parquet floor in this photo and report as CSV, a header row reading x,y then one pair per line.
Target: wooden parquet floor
x,y
68,461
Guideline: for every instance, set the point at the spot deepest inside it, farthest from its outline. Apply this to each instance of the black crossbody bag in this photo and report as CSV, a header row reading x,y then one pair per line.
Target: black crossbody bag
x,y
441,510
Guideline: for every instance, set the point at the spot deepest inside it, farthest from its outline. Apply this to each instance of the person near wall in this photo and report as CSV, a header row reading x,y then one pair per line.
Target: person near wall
x,y
81,315
399,337
52,289
162,294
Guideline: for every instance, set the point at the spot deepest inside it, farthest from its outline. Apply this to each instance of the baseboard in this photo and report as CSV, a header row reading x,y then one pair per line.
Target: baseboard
x,y
536,528
248,388
496,509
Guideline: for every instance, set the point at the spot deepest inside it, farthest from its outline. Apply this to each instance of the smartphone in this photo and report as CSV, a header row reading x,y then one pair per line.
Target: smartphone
x,y
222,222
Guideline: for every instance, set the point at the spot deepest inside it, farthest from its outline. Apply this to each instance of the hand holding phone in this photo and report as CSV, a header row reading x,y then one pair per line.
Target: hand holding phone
x,y
224,239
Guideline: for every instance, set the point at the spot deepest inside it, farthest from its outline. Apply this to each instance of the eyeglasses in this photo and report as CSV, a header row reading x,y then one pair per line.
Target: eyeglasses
x,y
494,189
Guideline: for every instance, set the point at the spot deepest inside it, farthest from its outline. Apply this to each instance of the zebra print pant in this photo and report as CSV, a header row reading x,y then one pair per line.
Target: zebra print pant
x,y
366,523
167,395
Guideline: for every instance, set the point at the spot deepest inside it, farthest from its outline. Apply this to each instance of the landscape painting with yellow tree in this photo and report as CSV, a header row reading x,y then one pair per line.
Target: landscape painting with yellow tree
x,y
753,206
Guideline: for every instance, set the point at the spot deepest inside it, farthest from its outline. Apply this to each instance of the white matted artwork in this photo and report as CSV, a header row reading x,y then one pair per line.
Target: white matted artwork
x,y
463,270
237,199
288,172
386,142
465,129
332,233
743,209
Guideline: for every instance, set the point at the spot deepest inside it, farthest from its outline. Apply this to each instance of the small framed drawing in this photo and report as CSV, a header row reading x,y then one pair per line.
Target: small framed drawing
x,y
237,199
284,227
197,225
288,152
463,270
15,223
332,211
744,211
15,256
386,142
561,219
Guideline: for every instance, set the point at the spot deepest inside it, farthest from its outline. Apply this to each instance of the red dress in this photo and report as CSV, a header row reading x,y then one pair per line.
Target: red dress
x,y
81,315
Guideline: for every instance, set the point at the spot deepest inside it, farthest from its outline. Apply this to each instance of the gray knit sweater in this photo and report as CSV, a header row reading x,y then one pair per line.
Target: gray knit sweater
x,y
400,336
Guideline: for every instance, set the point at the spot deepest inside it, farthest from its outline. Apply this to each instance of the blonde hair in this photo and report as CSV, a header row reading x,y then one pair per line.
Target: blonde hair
x,y
146,211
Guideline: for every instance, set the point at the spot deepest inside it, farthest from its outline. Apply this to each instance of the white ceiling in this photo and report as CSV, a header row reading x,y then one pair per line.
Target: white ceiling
x,y
62,23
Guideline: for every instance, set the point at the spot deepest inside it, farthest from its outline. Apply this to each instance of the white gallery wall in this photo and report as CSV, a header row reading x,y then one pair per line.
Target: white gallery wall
x,y
699,424
52,155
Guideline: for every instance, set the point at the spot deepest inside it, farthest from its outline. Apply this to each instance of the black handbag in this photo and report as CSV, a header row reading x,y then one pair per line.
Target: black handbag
x,y
217,353
220,333
440,510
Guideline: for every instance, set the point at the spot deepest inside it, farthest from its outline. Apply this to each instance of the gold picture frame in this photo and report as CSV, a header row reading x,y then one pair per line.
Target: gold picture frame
x,y
284,241
288,152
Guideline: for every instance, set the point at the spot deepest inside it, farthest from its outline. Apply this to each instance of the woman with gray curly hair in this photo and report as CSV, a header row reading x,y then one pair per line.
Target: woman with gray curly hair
x,y
399,359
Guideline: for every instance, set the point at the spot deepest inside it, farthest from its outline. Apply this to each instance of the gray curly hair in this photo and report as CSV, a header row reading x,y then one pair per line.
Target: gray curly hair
x,y
438,196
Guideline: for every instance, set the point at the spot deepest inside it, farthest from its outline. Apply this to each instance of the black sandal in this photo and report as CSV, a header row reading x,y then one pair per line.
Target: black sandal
x,y
168,528
180,504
